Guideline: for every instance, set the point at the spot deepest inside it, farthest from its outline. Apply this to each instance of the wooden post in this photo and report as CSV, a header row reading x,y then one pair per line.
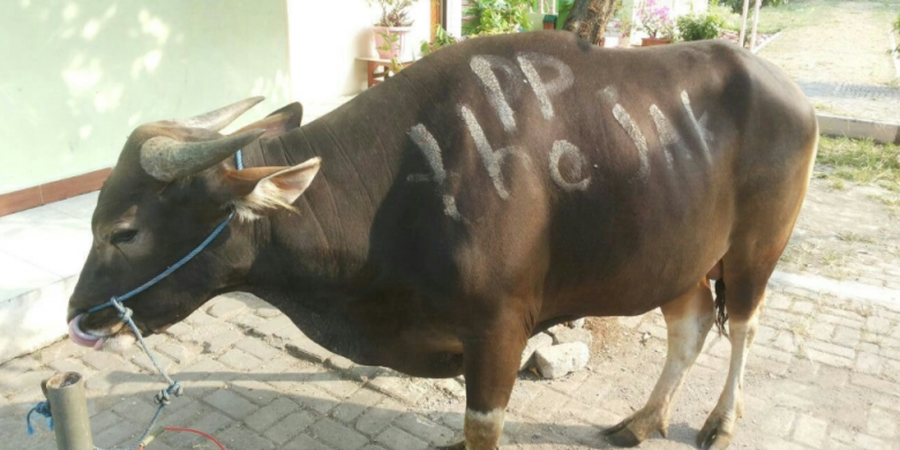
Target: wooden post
x,y
71,421
755,24
744,23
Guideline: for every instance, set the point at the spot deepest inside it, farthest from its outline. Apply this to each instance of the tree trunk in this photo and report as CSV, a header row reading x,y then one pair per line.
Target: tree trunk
x,y
588,19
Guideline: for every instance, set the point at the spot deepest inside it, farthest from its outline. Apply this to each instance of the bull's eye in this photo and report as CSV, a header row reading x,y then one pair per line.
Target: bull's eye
x,y
123,236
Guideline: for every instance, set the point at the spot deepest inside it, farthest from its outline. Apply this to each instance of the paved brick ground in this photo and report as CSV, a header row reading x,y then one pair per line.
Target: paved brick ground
x,y
824,374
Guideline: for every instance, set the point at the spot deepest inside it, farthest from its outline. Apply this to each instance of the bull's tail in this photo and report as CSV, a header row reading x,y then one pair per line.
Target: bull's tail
x,y
721,314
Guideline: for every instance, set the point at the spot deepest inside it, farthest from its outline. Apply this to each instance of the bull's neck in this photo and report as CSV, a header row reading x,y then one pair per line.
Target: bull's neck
x,y
312,263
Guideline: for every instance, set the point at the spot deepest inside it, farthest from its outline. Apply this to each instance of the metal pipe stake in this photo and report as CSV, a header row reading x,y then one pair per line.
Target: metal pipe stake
x,y
71,421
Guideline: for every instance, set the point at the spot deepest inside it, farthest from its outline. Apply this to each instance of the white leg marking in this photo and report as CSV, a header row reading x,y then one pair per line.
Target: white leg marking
x,y
483,66
492,159
543,89
483,430
560,149
432,151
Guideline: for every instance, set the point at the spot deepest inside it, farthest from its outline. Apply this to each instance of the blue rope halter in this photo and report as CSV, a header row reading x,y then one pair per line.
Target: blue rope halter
x,y
164,396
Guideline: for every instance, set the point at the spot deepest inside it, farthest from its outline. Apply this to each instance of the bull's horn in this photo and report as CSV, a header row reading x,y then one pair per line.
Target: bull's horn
x,y
220,118
167,159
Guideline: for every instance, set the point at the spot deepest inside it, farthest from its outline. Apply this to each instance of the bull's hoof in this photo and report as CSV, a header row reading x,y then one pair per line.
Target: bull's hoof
x,y
461,445
635,429
715,434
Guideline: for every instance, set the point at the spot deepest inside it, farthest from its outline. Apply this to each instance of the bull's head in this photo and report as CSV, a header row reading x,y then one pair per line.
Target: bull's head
x,y
173,183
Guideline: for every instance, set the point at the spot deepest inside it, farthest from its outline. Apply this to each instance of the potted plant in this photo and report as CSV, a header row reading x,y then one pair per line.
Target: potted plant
x,y
488,17
657,22
624,26
441,40
391,29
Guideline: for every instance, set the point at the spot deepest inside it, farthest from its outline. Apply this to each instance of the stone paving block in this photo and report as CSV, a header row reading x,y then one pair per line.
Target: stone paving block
x,y
240,360
103,420
179,330
238,437
291,426
221,341
425,429
270,326
143,361
398,439
304,348
11,383
544,405
339,363
224,307
883,424
875,383
69,365
125,432
305,442
348,410
379,417
337,435
878,325
258,348
398,386
200,318
230,403
335,385
832,348
137,410
104,361
803,307
810,431
254,390
859,439
313,398
837,320
177,352
210,423
246,321
869,363
779,421
268,415
829,359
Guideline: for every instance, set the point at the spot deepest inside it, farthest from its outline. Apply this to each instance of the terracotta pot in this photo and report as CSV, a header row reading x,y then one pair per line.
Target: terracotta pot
x,y
398,48
648,42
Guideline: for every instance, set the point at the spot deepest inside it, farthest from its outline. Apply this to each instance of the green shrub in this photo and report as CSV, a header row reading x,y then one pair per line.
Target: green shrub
x,y
441,40
697,27
738,5
495,16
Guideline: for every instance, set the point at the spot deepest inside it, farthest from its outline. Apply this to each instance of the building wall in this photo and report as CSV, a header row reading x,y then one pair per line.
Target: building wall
x,y
325,42
76,76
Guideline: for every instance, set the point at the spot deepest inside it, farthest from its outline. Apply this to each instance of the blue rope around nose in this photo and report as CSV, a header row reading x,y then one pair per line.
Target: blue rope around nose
x,y
164,396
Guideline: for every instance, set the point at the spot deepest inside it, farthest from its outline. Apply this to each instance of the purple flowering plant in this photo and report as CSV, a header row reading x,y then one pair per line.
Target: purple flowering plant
x,y
656,20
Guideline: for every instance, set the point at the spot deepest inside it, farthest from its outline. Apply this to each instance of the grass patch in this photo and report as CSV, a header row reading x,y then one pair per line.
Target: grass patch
x,y
861,161
797,13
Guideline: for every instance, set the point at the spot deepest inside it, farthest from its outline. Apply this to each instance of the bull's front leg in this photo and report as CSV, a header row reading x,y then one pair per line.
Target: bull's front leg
x,y
491,361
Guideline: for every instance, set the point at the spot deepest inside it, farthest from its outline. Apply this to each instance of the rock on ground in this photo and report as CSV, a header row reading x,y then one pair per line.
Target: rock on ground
x,y
560,360
540,340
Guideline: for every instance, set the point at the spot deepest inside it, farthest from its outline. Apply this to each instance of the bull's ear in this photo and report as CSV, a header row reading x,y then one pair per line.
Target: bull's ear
x,y
253,191
279,122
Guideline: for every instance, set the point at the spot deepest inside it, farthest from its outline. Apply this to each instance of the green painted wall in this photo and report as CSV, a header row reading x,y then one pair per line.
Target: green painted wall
x,y
77,76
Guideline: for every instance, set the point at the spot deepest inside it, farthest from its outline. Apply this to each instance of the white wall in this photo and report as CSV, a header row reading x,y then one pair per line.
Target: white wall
x,y
76,76
324,43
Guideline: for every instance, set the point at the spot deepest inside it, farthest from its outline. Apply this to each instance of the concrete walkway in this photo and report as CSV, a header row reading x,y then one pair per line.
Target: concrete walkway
x,y
841,61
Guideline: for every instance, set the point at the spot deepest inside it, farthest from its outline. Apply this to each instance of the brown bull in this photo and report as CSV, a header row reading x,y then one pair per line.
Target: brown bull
x,y
493,189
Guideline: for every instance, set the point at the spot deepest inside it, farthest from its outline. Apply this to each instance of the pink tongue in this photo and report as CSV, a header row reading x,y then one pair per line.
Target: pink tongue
x,y
82,338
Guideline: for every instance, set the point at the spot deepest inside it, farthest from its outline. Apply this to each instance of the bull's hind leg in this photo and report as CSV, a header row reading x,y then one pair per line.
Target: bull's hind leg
x,y
688,320
744,299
